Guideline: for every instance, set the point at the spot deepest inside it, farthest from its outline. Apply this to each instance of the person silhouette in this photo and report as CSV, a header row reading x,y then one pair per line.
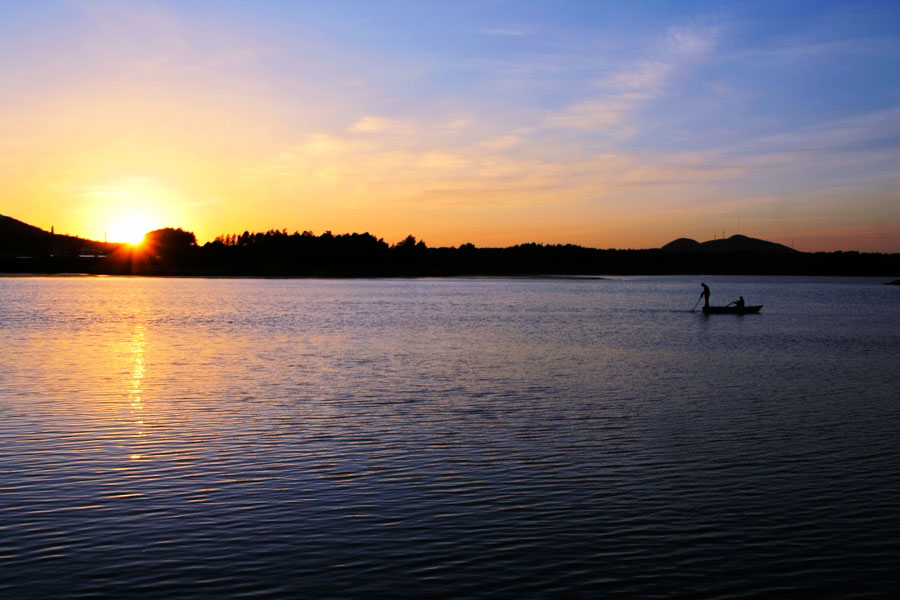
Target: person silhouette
x,y
705,295
739,303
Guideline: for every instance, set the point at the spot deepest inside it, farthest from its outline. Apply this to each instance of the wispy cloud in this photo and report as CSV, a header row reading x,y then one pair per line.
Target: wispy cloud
x,y
846,153
612,111
370,124
685,41
846,134
508,31
502,142
145,36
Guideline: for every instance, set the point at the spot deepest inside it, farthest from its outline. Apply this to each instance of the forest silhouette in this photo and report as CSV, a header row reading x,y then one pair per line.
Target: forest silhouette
x,y
277,253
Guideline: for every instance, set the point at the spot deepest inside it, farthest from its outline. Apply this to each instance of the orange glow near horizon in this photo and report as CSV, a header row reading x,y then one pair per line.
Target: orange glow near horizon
x,y
126,208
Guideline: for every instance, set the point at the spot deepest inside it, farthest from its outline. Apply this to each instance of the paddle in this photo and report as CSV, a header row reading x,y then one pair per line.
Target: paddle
x,y
697,302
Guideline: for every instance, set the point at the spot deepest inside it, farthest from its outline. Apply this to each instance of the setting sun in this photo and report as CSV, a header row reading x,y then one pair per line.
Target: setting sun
x,y
130,229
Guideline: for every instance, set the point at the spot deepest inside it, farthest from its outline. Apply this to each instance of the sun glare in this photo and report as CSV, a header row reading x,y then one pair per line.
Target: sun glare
x,y
130,229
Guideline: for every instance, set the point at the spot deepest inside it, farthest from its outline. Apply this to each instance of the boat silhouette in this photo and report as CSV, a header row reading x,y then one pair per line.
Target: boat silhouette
x,y
731,310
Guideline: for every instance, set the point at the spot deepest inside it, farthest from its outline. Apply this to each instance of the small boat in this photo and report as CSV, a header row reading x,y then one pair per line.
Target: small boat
x,y
731,310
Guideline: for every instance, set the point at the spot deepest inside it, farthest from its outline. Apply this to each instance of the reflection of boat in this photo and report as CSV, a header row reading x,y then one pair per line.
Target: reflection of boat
x,y
731,310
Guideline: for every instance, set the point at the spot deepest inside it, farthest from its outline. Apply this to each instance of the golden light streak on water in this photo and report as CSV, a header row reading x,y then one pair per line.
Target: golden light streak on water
x,y
138,368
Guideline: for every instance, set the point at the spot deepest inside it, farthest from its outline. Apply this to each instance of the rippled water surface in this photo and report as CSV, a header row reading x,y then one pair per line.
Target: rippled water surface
x,y
470,438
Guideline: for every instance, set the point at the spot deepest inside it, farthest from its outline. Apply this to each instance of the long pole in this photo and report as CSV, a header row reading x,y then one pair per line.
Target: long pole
x,y
696,303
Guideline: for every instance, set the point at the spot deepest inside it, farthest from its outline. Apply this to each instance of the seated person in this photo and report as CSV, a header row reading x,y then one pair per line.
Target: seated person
x,y
739,303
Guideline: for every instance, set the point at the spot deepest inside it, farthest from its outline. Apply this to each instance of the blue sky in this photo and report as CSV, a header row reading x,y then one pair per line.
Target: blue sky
x,y
608,124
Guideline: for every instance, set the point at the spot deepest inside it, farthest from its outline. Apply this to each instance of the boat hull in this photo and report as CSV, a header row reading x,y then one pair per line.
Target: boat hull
x,y
731,310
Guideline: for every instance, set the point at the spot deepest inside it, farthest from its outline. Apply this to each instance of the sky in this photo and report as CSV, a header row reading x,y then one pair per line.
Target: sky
x,y
605,124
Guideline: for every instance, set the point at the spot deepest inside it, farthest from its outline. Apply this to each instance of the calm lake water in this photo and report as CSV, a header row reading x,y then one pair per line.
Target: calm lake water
x,y
469,438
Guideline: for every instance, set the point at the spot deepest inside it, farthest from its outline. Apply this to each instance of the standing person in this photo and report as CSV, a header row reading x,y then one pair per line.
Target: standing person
x,y
705,295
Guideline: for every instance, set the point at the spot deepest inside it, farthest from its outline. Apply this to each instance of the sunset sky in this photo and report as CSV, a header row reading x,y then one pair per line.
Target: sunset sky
x,y
606,124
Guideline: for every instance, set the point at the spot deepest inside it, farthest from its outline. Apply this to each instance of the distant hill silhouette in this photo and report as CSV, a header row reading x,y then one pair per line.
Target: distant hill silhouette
x,y
21,238
16,236
682,245
736,243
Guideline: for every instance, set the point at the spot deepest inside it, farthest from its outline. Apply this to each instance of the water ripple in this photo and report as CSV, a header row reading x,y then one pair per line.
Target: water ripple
x,y
458,438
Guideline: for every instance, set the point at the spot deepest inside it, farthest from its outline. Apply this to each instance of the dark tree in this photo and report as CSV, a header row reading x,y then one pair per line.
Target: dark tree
x,y
169,243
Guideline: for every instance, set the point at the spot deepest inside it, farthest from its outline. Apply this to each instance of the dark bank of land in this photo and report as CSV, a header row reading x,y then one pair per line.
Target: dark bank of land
x,y
28,249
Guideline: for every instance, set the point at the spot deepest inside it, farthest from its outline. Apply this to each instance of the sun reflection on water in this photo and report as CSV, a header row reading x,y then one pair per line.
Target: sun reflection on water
x,y
136,389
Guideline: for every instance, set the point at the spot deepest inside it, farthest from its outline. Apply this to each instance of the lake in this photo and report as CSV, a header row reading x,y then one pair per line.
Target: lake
x,y
468,438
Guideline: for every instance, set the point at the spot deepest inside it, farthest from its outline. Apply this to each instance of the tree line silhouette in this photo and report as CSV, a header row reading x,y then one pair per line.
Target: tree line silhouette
x,y
171,251
279,253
